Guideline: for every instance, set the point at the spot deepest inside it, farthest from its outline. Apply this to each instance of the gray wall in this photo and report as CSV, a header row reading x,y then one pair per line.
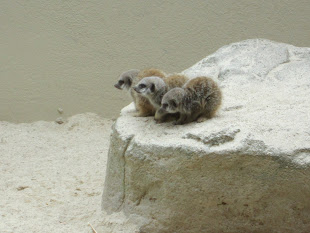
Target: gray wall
x,y
68,54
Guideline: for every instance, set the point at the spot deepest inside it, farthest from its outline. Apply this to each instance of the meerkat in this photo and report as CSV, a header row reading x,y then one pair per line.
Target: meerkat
x,y
129,79
154,88
198,100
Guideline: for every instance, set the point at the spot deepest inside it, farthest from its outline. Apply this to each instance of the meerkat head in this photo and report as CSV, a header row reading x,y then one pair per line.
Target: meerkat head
x,y
172,100
125,79
149,86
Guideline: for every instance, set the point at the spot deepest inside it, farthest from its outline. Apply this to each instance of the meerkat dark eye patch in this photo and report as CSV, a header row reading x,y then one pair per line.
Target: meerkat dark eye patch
x,y
152,88
142,86
165,106
117,86
120,82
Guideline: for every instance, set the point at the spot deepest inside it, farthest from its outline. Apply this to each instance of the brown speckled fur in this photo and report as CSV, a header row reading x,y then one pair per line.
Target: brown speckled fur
x,y
204,86
175,80
197,100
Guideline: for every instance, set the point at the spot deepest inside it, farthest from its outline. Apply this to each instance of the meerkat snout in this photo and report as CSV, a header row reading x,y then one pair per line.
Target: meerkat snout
x,y
124,83
143,89
169,107
119,85
165,106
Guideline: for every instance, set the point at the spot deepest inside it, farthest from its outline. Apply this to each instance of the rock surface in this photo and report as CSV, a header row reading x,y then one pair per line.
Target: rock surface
x,y
245,170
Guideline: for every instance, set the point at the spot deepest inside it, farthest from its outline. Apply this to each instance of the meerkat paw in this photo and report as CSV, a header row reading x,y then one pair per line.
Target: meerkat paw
x,y
178,122
158,121
182,120
202,119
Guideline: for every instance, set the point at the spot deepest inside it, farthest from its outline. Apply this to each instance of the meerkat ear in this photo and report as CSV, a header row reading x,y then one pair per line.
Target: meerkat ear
x,y
152,87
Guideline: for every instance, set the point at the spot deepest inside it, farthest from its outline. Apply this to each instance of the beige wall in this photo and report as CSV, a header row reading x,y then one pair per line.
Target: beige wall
x,y
68,54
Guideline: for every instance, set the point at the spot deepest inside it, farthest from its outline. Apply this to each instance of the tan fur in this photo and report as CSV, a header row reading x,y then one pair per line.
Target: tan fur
x,y
143,105
205,86
154,88
175,80
151,72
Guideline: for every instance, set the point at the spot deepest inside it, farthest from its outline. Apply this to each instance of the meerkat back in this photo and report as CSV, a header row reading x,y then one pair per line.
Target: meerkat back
x,y
175,80
206,91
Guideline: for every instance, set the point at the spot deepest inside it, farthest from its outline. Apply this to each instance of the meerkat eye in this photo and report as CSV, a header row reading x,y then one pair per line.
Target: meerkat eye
x,y
121,82
173,103
165,106
142,86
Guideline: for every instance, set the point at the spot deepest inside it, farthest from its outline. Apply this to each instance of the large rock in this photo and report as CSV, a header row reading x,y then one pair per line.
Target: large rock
x,y
246,170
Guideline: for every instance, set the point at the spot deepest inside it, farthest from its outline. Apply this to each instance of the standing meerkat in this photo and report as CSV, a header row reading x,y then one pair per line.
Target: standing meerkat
x,y
154,88
199,100
129,79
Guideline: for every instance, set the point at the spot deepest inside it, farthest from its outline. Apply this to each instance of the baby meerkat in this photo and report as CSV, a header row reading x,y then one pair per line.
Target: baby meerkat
x,y
129,79
154,88
199,100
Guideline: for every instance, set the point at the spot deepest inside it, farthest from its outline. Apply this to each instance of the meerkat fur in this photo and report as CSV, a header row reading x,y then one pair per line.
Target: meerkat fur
x,y
129,79
154,88
175,80
198,100
172,81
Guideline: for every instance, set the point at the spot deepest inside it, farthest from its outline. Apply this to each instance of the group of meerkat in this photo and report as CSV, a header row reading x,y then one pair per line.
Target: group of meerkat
x,y
171,97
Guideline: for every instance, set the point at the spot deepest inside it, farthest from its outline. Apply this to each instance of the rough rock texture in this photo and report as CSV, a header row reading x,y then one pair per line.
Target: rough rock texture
x,y
246,170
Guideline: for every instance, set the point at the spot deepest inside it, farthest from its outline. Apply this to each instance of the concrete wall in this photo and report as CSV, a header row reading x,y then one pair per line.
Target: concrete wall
x,y
68,54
